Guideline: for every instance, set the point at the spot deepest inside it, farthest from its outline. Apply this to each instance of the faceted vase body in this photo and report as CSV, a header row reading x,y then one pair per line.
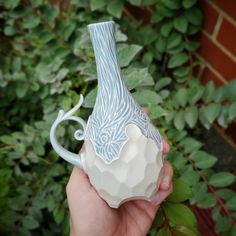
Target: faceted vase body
x,y
135,175
122,150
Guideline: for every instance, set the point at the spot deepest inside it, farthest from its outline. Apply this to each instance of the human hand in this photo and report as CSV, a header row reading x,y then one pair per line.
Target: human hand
x,y
91,216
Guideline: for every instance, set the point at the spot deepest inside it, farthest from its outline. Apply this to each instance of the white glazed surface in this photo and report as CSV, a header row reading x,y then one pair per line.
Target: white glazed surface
x,y
135,175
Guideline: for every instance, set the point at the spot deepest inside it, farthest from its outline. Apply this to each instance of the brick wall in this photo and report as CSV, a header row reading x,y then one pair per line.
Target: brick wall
x,y
218,41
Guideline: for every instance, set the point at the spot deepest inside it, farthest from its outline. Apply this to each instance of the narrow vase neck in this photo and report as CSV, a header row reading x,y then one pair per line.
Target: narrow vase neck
x,y
104,45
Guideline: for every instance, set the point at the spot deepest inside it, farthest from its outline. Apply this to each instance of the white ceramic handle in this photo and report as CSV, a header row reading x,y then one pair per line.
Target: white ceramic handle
x,y
71,157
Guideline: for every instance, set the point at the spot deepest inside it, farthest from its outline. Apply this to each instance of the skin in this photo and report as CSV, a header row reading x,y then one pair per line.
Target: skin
x,y
90,215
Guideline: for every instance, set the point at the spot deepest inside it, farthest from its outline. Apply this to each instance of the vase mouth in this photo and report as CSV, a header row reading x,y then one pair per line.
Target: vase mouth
x,y
101,23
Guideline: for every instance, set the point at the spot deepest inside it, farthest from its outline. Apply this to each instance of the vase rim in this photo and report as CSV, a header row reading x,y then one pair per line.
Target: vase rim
x,y
101,23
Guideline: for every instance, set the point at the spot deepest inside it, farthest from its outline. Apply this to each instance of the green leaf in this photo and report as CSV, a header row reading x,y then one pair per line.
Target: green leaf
x,y
30,22
181,230
194,94
145,97
177,160
203,119
137,76
182,72
173,40
207,201
188,3
194,16
11,3
199,191
216,212
97,4
90,98
115,8
21,89
233,231
190,176
223,224
135,2
230,90
162,82
29,222
165,231
50,13
179,120
36,3
176,50
203,160
156,111
39,149
209,91
190,144
221,179
181,23
181,97
226,194
191,116
8,139
148,58
223,118
67,30
179,214
193,29
231,204
232,111
210,112
164,93
20,149
173,5
9,30
192,46
120,37
127,53
161,44
181,191
146,35
59,214
177,135
166,28
156,17
165,11
177,60
66,103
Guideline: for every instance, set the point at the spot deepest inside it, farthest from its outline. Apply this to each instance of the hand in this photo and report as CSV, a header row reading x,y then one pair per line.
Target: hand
x,y
91,216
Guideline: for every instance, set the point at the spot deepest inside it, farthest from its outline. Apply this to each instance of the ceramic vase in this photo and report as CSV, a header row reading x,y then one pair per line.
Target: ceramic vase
x,y
122,150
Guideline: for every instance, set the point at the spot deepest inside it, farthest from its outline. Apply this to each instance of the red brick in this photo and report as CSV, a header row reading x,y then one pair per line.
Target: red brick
x,y
210,16
227,36
229,6
217,58
208,75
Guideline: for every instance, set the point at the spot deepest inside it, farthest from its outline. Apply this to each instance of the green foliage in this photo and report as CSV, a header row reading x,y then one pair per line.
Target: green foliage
x,y
47,60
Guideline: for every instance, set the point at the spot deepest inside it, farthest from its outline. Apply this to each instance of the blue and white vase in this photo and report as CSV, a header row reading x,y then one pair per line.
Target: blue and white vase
x,y
122,150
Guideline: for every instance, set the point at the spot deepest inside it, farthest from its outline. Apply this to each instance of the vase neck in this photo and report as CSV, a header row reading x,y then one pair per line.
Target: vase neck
x,y
104,45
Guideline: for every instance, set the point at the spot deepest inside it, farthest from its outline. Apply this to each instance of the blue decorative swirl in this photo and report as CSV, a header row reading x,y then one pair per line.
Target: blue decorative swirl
x,y
115,108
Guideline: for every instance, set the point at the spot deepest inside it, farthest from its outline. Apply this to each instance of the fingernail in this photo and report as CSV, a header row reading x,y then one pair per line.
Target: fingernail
x,y
166,181
156,199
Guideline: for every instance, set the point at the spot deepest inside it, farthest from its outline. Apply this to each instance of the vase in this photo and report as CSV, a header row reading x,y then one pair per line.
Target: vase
x,y
122,150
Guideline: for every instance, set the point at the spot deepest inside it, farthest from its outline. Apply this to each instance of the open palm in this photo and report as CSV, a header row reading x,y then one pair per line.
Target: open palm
x,y
90,215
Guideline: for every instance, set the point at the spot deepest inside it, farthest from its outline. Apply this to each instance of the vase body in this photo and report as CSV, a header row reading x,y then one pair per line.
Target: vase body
x,y
122,150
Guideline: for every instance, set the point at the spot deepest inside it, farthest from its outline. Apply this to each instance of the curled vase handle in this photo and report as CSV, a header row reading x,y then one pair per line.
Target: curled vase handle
x,y
71,157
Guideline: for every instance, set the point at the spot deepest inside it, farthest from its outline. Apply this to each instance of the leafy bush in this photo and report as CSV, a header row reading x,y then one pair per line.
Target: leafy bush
x,y
47,61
